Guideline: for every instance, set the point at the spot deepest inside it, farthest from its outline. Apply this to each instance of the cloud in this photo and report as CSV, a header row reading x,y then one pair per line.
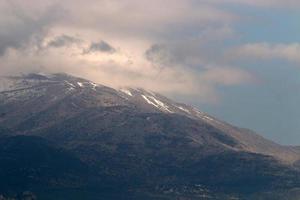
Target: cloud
x,y
18,27
227,76
63,41
170,46
196,51
266,51
140,18
159,55
101,46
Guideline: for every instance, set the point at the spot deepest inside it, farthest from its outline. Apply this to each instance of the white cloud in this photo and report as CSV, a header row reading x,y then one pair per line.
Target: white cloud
x,y
136,17
129,28
289,52
227,76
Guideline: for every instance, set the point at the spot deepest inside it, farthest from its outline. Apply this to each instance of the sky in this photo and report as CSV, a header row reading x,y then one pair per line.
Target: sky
x,y
238,60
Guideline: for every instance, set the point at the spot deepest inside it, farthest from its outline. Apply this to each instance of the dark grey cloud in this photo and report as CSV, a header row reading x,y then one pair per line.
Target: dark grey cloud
x,y
101,46
173,54
188,52
63,41
159,54
21,27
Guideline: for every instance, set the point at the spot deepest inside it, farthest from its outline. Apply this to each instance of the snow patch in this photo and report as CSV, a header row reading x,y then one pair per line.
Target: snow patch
x,y
208,118
126,92
80,84
148,101
70,84
94,85
183,109
198,112
204,116
71,89
158,104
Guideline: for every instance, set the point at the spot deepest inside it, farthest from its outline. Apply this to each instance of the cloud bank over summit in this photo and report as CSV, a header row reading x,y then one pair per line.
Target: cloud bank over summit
x,y
179,47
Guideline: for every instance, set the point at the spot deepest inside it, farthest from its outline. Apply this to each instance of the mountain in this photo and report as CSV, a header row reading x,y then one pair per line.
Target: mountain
x,y
28,161
138,144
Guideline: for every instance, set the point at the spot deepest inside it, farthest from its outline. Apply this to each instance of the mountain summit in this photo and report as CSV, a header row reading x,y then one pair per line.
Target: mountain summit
x,y
138,142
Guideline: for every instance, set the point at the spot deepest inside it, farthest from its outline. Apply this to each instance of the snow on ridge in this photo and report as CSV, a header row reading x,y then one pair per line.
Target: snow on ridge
x,y
183,109
80,84
94,85
161,104
198,112
71,88
208,118
148,101
155,102
70,84
126,92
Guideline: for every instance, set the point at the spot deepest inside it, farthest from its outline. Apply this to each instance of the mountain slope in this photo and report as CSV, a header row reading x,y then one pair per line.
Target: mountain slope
x,y
26,162
143,142
35,102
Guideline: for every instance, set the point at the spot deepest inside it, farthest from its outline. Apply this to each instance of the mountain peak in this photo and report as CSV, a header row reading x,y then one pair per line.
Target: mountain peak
x,y
122,133
73,95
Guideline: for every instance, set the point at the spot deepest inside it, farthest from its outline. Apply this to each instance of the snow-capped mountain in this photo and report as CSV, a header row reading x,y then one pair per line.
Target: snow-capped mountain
x,y
140,140
33,93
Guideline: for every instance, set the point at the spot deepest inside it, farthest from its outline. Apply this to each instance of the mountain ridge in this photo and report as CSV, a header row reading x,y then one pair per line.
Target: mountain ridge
x,y
141,141
147,101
